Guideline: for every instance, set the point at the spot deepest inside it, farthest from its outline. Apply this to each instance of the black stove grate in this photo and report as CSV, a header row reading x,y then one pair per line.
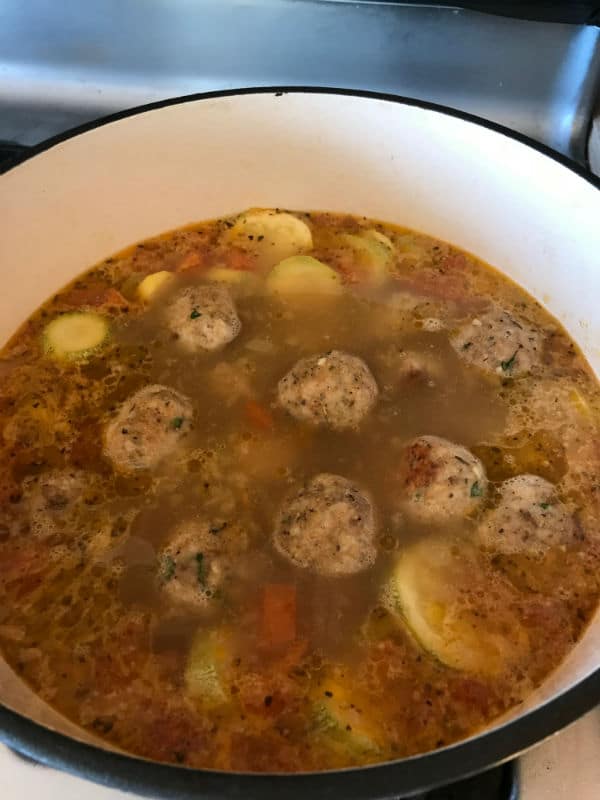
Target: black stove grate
x,y
499,783
9,152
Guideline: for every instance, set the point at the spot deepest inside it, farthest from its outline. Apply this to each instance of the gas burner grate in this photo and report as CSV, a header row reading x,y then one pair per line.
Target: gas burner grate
x,y
499,783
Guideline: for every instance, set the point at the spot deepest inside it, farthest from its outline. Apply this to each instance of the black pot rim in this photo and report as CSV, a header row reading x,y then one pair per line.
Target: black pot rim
x,y
390,779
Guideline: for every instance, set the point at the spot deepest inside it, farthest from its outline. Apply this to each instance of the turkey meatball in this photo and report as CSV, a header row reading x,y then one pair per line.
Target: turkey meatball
x,y
197,560
440,481
334,389
328,527
529,518
203,317
499,342
147,427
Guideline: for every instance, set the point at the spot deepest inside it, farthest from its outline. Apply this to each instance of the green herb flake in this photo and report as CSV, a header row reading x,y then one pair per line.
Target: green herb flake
x,y
508,365
195,313
176,423
200,569
168,569
545,506
476,490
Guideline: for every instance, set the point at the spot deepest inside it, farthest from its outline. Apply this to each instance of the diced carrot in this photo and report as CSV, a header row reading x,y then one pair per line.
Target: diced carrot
x,y
258,416
192,260
95,297
278,614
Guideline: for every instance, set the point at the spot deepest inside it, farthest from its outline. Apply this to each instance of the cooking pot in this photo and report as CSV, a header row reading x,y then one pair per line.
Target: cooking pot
x,y
514,203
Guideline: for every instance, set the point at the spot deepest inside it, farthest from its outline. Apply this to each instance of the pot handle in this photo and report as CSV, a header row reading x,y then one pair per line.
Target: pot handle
x,y
11,153
577,12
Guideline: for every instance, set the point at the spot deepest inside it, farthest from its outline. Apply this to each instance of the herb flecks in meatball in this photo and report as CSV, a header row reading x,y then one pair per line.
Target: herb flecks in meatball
x,y
499,342
529,519
334,389
147,427
198,560
203,317
328,527
440,481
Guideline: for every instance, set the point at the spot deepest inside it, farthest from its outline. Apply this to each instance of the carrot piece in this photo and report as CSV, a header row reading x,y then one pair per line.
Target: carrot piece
x,y
191,260
278,613
258,416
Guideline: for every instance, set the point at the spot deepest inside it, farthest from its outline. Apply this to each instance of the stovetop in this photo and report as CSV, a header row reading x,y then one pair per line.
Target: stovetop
x,y
62,64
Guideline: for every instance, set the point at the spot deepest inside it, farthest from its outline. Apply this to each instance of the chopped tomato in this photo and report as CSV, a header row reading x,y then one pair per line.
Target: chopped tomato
x,y
258,416
191,261
95,296
278,623
237,258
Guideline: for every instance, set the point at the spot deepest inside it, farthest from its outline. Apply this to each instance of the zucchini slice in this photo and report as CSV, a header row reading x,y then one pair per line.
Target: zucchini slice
x,y
75,335
446,600
204,675
303,275
153,283
374,255
341,718
274,235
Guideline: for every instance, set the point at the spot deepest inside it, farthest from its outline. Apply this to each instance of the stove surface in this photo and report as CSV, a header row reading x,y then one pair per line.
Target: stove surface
x,y
62,64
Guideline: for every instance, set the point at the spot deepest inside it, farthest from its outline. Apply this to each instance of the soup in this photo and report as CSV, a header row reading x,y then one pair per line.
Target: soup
x,y
293,491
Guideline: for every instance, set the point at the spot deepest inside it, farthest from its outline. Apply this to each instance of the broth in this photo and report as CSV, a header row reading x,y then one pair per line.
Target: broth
x,y
290,492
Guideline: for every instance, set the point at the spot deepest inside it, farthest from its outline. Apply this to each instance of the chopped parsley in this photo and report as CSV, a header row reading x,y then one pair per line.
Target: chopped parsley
x,y
544,506
200,569
176,423
507,365
476,490
195,313
168,570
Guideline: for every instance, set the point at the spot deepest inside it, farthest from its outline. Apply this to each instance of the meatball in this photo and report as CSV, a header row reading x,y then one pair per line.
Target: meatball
x,y
197,560
328,527
529,518
440,481
203,317
335,389
147,427
499,342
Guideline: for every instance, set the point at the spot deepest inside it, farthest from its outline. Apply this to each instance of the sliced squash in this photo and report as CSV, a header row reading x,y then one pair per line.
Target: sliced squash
x,y
153,283
273,235
373,255
445,601
341,718
206,666
303,275
75,335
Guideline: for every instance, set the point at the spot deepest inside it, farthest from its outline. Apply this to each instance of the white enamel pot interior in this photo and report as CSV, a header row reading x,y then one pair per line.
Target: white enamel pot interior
x,y
85,196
